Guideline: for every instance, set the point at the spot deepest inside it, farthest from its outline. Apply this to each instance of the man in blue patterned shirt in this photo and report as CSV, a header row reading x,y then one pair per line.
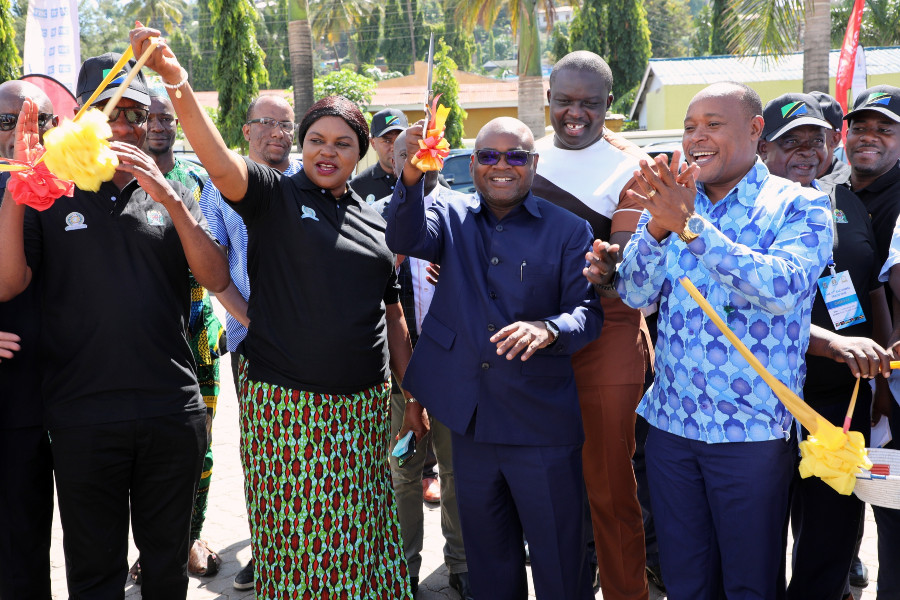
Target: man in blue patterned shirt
x,y
717,454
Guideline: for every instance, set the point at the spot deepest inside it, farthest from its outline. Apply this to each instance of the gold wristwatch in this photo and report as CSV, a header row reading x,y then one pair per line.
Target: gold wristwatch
x,y
692,228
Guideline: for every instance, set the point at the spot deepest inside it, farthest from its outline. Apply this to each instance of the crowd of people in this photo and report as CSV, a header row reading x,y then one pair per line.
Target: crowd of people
x,y
583,412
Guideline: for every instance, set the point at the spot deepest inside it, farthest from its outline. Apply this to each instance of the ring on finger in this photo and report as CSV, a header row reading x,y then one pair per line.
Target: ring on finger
x,y
652,193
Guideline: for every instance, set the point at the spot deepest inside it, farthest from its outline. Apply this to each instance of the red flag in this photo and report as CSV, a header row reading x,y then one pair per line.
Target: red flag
x,y
844,78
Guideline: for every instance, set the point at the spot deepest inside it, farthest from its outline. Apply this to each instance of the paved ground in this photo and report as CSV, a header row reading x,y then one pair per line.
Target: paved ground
x,y
226,526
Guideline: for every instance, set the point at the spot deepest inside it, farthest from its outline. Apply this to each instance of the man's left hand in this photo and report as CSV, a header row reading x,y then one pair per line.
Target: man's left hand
x,y
143,168
529,336
668,196
602,261
415,418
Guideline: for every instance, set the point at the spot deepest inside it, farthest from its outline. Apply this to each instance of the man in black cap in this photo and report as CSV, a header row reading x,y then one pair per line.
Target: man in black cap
x,y
824,523
873,150
833,170
127,423
379,180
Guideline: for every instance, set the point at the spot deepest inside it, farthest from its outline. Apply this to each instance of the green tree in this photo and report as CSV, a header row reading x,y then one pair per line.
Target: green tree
x,y
352,86
184,48
102,26
523,21
880,23
719,13
367,36
702,31
671,25
330,19
629,43
588,25
202,74
240,71
395,44
445,84
272,36
161,14
461,43
559,41
10,61
301,50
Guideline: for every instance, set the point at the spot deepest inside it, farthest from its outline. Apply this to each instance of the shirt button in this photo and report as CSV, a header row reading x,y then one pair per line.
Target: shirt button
x,y
491,327
499,227
492,295
495,261
485,366
113,198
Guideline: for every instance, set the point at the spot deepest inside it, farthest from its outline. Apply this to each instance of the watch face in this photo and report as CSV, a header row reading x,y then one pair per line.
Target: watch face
x,y
695,224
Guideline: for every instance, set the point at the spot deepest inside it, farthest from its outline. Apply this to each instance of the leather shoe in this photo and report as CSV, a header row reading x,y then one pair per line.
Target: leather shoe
x,y
431,490
460,583
859,574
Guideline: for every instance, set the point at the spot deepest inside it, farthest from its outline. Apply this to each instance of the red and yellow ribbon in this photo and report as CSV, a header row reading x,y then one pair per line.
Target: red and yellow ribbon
x,y
34,185
434,148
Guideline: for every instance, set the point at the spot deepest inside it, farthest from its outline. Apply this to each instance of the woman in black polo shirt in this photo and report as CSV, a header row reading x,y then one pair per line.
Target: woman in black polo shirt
x,y
324,312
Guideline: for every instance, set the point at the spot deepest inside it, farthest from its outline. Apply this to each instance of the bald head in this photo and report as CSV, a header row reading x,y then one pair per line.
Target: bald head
x,y
732,91
12,96
506,126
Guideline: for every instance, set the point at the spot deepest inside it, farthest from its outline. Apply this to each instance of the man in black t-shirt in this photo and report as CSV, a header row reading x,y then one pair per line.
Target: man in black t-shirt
x,y
379,180
26,469
126,420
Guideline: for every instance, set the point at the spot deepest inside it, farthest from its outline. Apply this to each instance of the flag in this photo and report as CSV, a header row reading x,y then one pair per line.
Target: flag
x,y
52,40
844,78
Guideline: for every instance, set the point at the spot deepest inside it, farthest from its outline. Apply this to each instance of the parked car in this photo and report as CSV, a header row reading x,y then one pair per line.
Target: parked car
x,y
456,170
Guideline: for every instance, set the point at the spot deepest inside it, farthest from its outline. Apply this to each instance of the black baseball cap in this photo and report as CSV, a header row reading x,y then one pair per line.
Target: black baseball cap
x,y
789,111
881,98
95,69
831,109
389,119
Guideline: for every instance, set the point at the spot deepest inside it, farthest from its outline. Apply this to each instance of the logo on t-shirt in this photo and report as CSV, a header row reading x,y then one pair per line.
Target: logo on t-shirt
x,y
308,213
154,217
75,220
839,216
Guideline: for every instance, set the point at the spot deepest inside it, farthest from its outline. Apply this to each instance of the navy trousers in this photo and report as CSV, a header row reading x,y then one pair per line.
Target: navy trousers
x,y
720,511
504,491
26,513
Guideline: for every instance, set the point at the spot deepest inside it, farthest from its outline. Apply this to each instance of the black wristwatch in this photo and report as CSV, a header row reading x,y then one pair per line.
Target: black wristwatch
x,y
554,331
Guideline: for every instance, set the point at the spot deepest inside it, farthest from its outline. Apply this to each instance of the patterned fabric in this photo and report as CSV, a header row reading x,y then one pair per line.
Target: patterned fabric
x,y
757,261
323,521
229,229
205,332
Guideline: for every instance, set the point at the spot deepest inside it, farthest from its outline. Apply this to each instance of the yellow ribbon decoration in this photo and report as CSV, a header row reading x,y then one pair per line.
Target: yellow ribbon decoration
x,y
433,148
828,452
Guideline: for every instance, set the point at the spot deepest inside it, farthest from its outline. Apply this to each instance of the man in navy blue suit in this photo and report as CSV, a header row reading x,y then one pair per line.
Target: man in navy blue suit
x,y
493,361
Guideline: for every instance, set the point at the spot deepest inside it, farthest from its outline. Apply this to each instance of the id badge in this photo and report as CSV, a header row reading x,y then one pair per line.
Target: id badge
x,y
841,300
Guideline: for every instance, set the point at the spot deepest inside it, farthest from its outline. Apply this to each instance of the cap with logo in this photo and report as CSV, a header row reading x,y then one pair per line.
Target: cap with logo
x,y
831,109
96,68
387,120
881,98
789,111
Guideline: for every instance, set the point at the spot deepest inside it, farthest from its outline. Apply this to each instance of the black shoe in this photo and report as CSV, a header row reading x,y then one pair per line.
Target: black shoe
x,y
414,584
245,580
654,576
859,574
460,583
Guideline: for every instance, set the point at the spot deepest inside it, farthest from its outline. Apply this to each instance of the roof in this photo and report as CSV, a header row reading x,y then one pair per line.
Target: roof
x,y
705,70
494,93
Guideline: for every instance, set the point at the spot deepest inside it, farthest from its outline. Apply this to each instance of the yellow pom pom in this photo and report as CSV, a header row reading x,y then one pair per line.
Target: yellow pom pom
x,y
834,457
79,151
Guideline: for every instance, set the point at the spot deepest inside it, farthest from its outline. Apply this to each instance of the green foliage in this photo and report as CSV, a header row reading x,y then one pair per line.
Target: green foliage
x,y
366,37
702,32
102,26
10,61
720,13
164,15
880,23
559,41
356,88
445,83
240,72
395,43
272,35
585,31
629,43
184,48
202,74
461,42
671,25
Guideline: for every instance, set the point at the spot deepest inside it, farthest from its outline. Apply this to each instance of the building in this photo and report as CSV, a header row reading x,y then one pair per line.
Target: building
x,y
670,83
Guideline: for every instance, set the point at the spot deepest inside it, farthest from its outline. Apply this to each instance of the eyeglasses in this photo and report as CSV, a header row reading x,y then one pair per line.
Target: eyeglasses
x,y
8,120
135,116
514,158
286,126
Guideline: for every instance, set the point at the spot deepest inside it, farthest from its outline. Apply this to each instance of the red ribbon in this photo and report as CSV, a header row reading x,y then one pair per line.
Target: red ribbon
x,y
36,186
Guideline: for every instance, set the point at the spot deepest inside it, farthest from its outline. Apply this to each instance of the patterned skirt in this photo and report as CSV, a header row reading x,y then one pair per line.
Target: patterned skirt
x,y
323,521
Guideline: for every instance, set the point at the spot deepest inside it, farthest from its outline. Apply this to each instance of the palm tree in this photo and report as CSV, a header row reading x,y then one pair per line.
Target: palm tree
x,y
330,19
161,14
523,18
300,47
770,27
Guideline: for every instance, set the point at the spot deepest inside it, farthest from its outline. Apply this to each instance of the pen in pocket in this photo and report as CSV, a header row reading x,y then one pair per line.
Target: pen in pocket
x,y
522,271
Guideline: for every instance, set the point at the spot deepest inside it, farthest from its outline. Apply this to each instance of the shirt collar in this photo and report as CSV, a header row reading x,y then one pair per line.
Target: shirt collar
x,y
379,173
306,184
748,187
474,204
884,180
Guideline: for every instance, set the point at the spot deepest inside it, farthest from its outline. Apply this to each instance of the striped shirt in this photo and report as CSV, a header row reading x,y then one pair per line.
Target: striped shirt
x,y
229,230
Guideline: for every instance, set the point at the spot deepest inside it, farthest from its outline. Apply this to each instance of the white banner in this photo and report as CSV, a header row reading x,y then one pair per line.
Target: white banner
x,y
52,42
860,81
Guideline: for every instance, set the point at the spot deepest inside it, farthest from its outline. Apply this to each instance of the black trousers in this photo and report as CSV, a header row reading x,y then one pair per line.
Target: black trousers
x,y
150,466
26,513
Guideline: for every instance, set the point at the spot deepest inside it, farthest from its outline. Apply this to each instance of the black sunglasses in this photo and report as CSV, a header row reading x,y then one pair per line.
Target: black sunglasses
x,y
514,158
135,116
8,120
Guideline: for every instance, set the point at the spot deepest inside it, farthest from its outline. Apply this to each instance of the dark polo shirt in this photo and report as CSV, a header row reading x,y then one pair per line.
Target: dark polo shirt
x,y
374,182
20,378
114,301
882,199
320,277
